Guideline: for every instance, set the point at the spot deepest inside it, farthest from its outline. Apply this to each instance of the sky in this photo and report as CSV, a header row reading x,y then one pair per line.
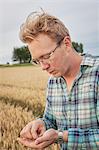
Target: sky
x,y
81,17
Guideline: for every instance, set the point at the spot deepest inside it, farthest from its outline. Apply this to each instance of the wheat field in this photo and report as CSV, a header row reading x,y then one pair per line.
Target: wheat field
x,y
22,99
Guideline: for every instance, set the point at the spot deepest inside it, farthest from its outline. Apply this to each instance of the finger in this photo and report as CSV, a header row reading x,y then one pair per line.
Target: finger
x,y
44,144
42,132
25,133
27,142
40,140
34,131
31,144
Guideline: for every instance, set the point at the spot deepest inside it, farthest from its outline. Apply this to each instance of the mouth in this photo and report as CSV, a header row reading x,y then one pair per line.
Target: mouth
x,y
52,72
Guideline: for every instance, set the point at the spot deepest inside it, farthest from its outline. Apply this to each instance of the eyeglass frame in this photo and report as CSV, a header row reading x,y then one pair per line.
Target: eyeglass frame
x,y
48,55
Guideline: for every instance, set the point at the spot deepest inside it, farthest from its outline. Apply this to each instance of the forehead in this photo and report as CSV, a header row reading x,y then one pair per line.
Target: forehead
x,y
42,39
42,44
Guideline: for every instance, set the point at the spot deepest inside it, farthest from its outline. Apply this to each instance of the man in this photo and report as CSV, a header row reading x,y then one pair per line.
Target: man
x,y
71,116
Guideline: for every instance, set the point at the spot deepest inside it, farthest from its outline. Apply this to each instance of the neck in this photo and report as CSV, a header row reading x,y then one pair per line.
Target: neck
x,y
74,66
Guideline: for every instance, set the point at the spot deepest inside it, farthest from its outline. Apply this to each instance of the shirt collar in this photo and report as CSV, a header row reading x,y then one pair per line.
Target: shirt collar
x,y
87,60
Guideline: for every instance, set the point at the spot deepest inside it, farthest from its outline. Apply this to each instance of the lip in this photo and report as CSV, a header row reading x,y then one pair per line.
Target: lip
x,y
52,72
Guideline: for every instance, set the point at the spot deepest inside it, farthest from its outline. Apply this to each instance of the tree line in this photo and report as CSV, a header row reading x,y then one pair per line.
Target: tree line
x,y
22,54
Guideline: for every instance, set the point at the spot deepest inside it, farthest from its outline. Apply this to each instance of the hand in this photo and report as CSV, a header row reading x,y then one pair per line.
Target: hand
x,y
48,138
28,143
51,136
33,130
42,142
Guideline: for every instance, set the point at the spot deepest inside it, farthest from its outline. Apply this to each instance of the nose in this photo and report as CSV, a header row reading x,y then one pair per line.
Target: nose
x,y
44,66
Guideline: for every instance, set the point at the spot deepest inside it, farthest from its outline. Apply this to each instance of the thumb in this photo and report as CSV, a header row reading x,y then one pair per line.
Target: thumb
x,y
34,135
42,131
40,140
34,132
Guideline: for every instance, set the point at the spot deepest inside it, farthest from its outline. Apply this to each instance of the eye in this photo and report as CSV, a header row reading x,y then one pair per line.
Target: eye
x,y
46,56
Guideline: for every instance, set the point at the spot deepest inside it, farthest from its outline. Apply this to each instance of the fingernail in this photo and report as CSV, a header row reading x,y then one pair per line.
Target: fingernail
x,y
36,142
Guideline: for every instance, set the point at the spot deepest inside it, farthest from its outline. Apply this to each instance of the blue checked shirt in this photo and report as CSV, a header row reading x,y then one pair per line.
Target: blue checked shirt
x,y
78,110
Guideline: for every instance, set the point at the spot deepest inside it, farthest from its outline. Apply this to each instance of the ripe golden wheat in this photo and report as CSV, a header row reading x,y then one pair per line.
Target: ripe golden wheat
x,y
22,99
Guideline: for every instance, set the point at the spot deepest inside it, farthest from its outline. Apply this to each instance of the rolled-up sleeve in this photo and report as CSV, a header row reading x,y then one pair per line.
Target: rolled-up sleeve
x,y
48,118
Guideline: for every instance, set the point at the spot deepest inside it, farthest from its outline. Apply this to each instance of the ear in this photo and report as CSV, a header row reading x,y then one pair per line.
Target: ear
x,y
29,39
67,41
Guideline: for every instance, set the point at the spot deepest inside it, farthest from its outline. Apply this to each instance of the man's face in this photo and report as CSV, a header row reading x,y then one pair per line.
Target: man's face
x,y
52,57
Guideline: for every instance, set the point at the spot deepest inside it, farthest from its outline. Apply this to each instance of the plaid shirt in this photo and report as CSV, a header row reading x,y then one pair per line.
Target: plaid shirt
x,y
77,111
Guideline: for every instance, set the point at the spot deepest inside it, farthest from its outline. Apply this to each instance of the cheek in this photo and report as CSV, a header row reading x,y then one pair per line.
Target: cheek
x,y
56,63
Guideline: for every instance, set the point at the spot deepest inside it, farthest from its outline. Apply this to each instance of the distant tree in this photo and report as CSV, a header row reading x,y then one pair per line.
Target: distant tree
x,y
21,54
78,47
8,63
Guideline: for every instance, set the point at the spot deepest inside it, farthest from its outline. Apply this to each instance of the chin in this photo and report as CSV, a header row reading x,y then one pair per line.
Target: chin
x,y
56,74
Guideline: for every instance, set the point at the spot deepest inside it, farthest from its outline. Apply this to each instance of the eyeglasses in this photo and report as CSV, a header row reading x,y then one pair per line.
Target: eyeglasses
x,y
46,56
